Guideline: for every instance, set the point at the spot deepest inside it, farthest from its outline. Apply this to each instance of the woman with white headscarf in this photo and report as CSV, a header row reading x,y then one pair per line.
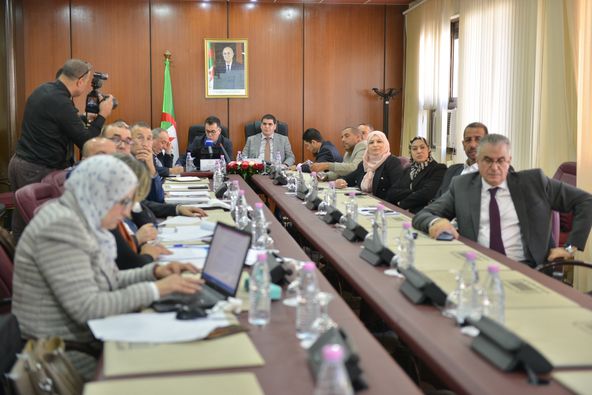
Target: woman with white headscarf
x,y
378,171
64,272
421,179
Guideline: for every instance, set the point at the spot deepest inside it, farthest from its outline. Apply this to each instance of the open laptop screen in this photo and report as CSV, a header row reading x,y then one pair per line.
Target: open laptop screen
x,y
226,256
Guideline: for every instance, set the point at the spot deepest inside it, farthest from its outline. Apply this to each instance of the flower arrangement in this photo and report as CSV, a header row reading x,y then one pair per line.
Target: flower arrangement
x,y
245,168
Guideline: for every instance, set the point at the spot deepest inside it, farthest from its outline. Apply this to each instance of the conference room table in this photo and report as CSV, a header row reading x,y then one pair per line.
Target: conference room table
x,y
286,369
435,339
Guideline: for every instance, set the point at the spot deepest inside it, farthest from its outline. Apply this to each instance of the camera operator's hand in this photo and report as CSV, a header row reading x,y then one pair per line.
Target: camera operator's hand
x,y
106,106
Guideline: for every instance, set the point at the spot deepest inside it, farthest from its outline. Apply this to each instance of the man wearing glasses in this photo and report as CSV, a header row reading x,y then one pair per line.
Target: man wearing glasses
x,y
509,212
162,152
472,134
51,125
212,145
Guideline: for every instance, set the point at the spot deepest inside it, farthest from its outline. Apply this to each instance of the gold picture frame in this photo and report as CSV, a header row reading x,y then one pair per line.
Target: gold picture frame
x,y
226,68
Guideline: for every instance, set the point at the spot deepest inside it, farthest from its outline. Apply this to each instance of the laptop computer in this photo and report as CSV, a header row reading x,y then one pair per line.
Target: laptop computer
x,y
222,270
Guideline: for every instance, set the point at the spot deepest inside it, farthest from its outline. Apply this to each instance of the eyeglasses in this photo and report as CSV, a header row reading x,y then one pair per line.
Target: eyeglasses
x,y
211,132
490,161
119,140
87,71
126,202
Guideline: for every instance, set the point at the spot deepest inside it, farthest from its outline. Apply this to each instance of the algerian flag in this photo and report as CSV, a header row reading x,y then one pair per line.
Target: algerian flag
x,y
210,66
167,119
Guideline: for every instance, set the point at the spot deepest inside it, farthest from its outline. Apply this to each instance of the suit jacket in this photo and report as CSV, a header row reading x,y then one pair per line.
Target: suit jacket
x,y
280,143
534,196
221,67
415,195
198,150
350,162
385,176
452,171
327,153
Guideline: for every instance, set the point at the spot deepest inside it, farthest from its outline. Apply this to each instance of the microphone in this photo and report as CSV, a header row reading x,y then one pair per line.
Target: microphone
x,y
209,144
226,156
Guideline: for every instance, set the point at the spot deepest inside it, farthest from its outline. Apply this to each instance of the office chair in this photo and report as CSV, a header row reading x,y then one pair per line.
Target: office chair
x,y
30,197
199,130
56,178
556,269
405,162
6,269
252,128
562,222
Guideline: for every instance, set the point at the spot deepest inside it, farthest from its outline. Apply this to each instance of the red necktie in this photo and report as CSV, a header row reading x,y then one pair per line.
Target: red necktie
x,y
495,224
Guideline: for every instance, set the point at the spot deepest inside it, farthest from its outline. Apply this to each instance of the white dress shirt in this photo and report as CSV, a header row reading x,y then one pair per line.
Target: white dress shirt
x,y
262,147
469,169
510,225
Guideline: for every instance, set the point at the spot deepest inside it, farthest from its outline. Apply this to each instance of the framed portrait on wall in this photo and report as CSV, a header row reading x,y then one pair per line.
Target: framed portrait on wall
x,y
226,68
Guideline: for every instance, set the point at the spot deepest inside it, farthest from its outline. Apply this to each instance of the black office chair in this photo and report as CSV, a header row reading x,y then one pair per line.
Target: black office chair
x,y
254,127
556,270
199,131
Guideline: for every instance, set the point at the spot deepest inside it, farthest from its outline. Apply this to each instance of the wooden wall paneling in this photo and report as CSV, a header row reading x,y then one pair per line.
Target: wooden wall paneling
x,y
45,45
395,33
343,60
274,32
181,27
114,36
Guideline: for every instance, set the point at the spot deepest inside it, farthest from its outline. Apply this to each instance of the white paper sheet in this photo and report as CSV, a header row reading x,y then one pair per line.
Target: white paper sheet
x,y
185,233
187,200
184,254
155,327
189,193
184,187
183,179
179,220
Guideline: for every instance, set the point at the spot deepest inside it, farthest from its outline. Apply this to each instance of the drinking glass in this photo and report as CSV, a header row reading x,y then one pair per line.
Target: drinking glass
x,y
293,289
394,263
323,323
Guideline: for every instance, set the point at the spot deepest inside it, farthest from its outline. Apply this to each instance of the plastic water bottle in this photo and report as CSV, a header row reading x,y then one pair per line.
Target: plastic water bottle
x,y
218,177
259,228
234,190
278,160
307,309
189,165
333,378
332,195
223,165
468,292
495,299
241,211
406,249
380,220
351,207
313,191
259,298
239,156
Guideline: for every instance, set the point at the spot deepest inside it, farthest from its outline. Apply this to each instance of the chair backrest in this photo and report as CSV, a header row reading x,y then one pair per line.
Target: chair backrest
x,y
404,161
200,130
6,269
252,128
567,173
30,197
56,178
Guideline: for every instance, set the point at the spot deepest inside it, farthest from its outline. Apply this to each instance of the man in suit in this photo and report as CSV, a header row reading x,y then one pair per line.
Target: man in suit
x,y
267,144
354,145
471,137
162,150
323,151
509,212
229,74
220,145
365,129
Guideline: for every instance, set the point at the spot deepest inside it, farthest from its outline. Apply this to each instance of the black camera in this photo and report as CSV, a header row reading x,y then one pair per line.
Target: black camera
x,y
94,97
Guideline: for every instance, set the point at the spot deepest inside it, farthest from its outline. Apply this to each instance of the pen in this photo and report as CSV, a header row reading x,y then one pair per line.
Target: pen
x,y
189,246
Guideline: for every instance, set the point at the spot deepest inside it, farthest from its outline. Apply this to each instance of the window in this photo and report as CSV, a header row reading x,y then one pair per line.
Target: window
x,y
454,58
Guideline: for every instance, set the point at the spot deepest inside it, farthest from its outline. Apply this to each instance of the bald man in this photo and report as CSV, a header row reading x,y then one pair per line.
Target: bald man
x,y
98,146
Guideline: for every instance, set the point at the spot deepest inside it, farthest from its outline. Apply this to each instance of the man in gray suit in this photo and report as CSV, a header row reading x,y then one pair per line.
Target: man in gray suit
x,y
266,144
472,134
509,212
354,145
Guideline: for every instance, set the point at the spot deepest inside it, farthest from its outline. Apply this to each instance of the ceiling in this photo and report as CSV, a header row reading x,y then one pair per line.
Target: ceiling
x,y
390,2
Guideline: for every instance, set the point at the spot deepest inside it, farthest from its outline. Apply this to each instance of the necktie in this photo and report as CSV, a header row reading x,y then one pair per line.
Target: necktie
x,y
227,67
495,227
267,155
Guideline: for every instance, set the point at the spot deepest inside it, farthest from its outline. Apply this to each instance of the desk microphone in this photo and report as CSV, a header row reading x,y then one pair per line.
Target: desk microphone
x,y
209,143
226,156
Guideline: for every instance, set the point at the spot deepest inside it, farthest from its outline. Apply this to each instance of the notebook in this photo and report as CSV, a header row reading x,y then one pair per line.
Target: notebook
x,y
222,269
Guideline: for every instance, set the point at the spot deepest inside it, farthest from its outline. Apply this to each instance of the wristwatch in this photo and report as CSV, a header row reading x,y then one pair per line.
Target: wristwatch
x,y
570,249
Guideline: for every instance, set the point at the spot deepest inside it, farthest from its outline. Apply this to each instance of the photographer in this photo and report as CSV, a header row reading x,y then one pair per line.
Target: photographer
x,y
51,126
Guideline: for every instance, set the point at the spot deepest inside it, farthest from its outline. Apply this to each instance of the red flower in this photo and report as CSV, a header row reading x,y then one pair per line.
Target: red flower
x,y
232,166
245,165
259,166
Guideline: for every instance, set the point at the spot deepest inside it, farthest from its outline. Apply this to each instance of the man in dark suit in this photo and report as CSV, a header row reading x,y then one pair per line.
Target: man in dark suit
x,y
219,145
509,212
228,64
471,137
229,74
324,151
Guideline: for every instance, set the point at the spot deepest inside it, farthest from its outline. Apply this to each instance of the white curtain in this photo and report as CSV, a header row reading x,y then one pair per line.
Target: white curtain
x,y
427,72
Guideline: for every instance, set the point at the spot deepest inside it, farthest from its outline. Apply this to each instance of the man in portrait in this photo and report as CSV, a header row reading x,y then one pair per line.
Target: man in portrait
x,y
229,74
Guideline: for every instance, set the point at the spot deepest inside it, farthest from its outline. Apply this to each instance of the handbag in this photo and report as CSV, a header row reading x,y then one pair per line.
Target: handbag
x,y
43,368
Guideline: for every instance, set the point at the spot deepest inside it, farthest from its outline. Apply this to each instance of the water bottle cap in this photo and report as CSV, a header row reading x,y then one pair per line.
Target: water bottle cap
x,y
309,267
262,257
299,167
241,192
352,194
313,174
332,184
471,255
235,182
258,205
493,268
406,225
332,353
380,207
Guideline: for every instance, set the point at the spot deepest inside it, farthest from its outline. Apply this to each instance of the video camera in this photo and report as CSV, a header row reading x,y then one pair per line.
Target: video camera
x,y
94,97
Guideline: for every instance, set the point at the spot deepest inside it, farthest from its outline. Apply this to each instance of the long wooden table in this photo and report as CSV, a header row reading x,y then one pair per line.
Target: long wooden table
x,y
286,370
431,336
